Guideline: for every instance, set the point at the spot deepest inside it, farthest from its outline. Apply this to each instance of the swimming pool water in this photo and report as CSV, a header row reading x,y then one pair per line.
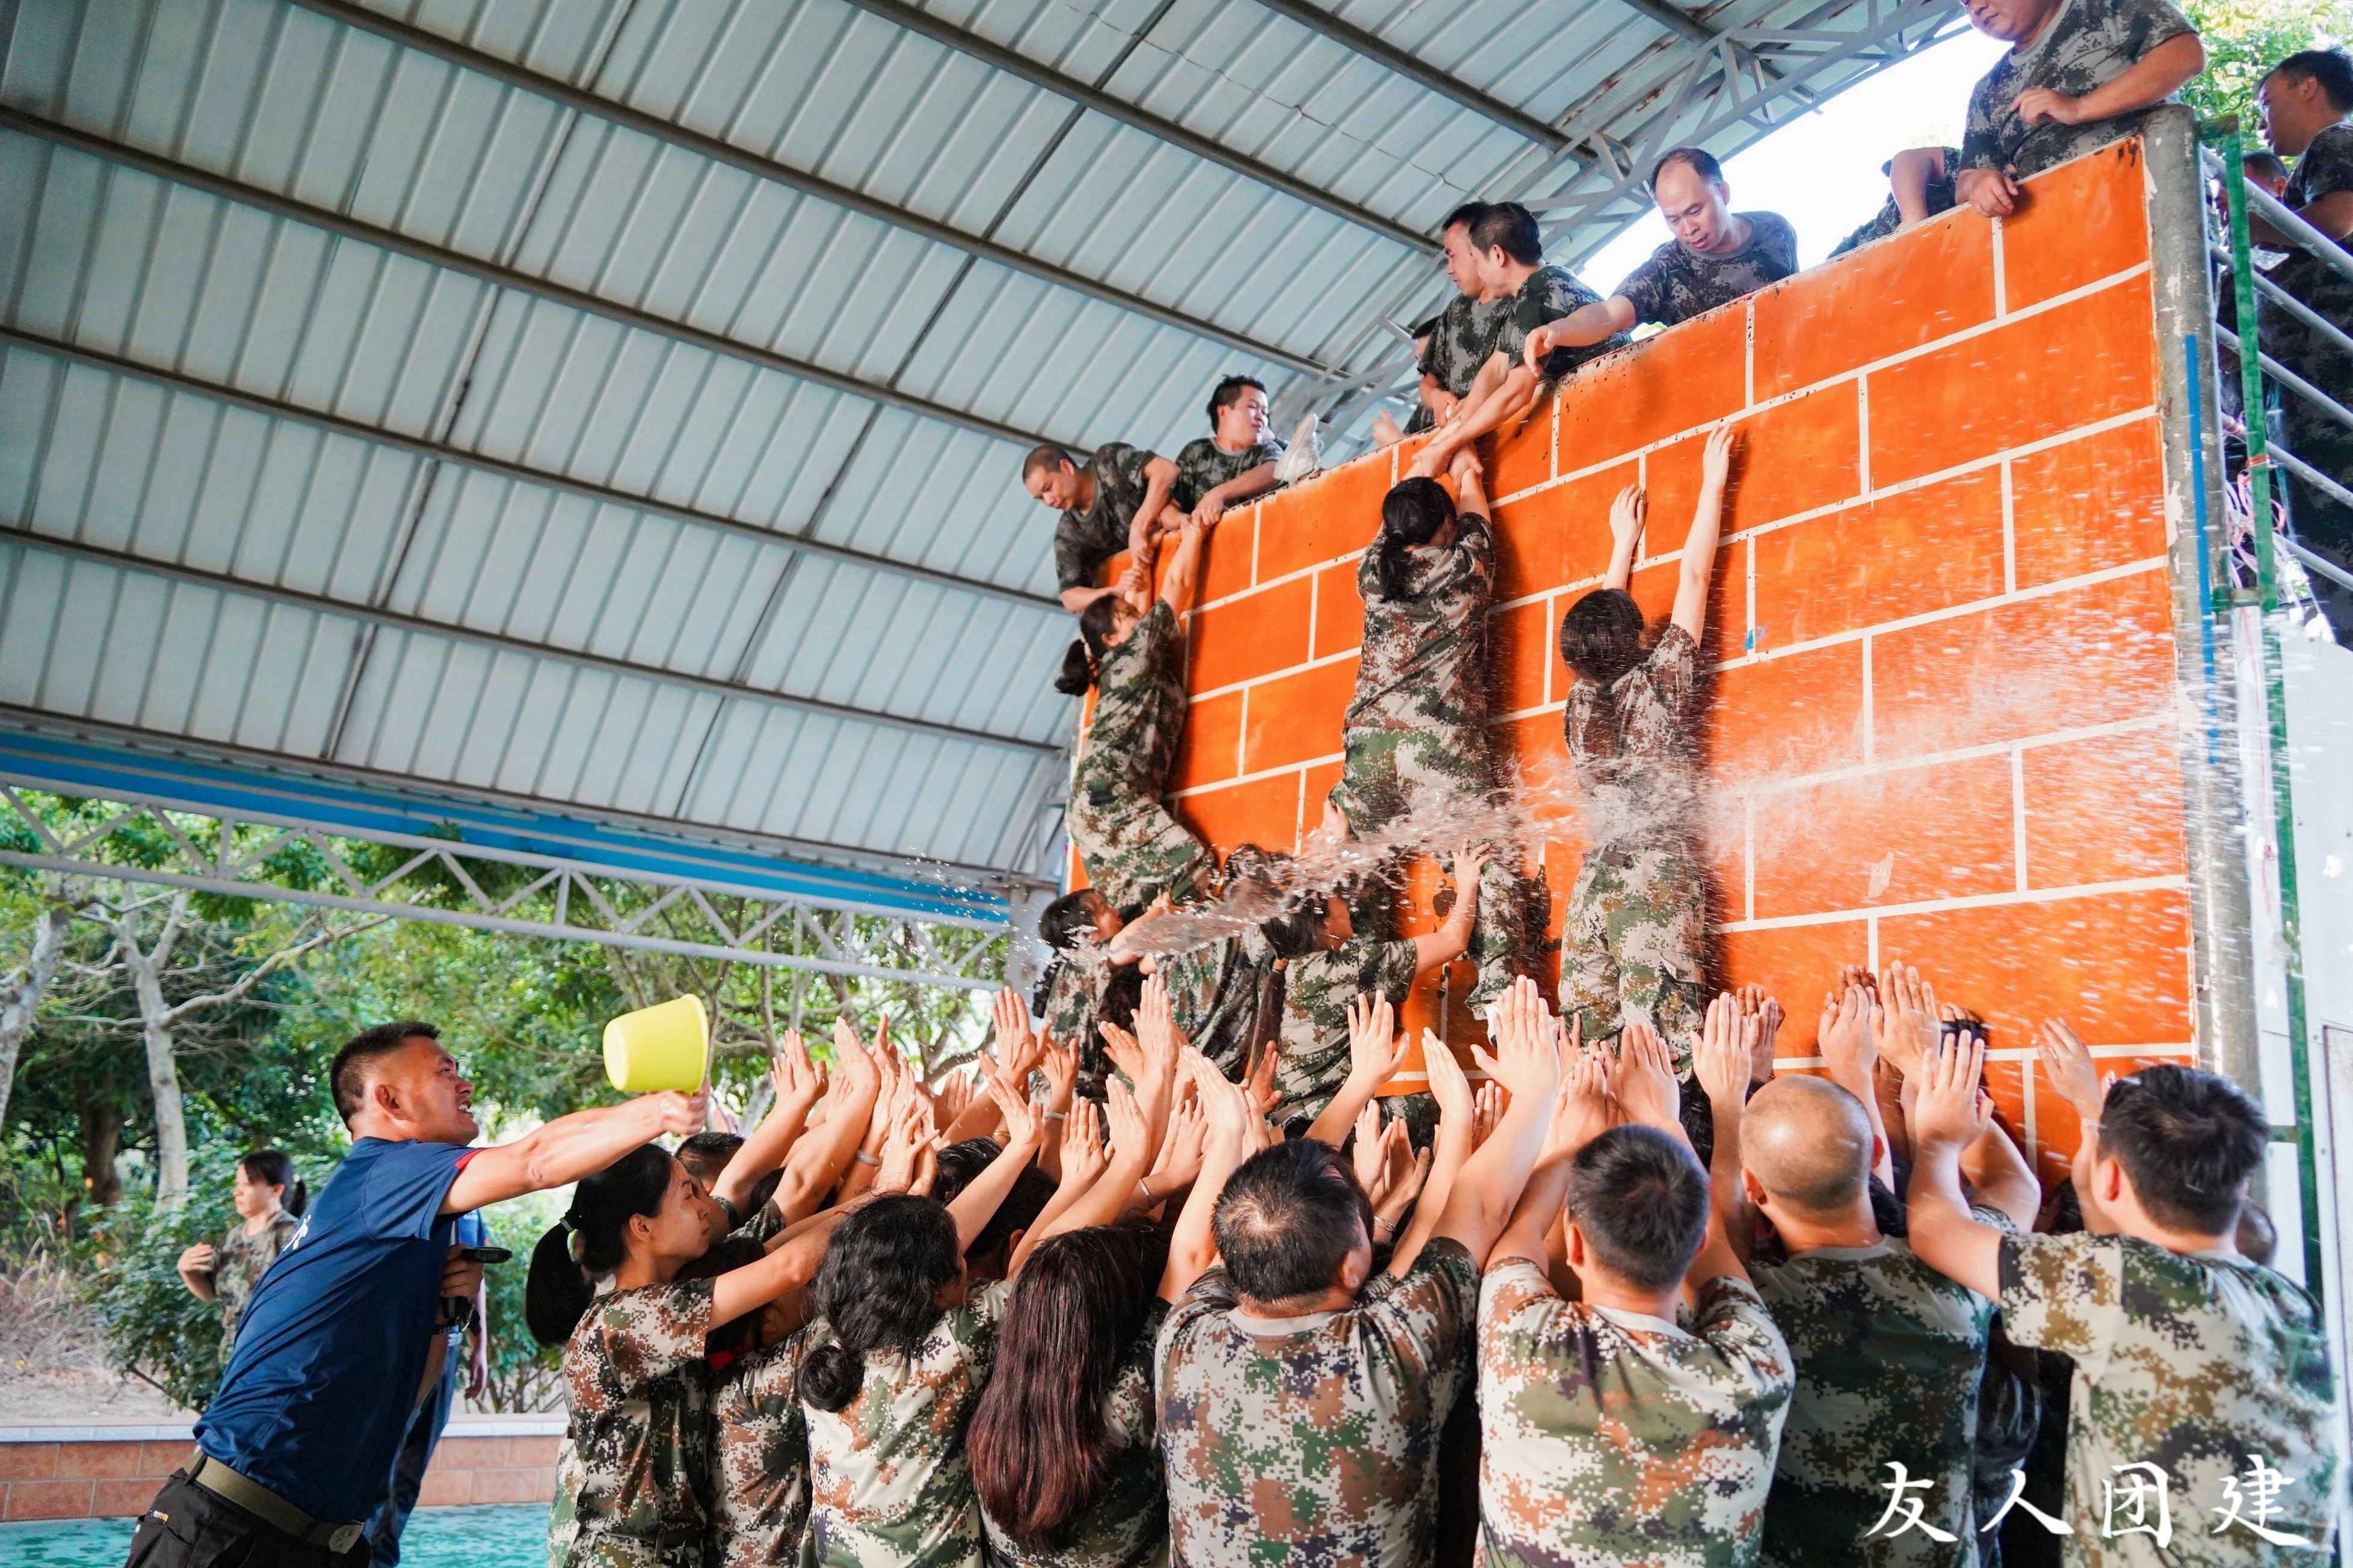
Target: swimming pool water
x,y
502,1537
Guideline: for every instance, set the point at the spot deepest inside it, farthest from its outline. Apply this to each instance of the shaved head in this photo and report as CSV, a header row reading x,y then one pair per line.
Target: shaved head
x,y
1808,1144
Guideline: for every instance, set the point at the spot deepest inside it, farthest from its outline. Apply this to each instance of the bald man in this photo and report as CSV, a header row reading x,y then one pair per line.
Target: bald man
x,y
1889,1352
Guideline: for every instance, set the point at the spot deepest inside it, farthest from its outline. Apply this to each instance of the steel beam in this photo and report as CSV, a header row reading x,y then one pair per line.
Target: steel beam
x,y
499,276
561,92
1038,74
1357,41
520,473
320,604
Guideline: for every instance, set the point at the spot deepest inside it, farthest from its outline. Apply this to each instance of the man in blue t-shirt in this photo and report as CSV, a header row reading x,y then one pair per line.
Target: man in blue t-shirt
x,y
332,1356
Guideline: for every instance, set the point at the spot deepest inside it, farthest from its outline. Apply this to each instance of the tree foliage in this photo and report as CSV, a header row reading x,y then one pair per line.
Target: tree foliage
x,y
2244,38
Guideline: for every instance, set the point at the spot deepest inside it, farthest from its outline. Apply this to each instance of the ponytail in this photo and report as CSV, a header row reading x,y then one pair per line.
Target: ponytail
x,y
275,1168
1082,660
875,1291
1411,514
588,1240
1078,672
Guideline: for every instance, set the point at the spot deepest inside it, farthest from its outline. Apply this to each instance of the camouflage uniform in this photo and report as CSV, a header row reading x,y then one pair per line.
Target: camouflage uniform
x,y
1415,736
889,1484
2323,524
2194,1363
1464,340
632,1476
1089,536
1612,1439
1317,989
1890,1355
1214,992
2088,45
760,1489
238,1263
1202,465
1314,1440
1890,217
1636,927
1133,849
1549,294
1678,282
1128,1525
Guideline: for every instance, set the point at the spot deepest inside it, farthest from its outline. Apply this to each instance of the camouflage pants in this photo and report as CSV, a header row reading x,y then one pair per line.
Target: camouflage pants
x,y
1390,773
1135,851
2322,523
1634,942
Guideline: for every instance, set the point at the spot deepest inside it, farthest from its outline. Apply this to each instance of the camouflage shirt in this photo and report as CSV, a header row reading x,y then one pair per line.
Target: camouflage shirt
x,y
2325,168
1890,1355
1614,1440
1202,465
631,1477
1939,194
1631,742
1089,536
1128,1525
1549,294
1415,734
760,1490
2087,45
1678,282
888,1487
2196,1364
239,1262
1464,340
1132,847
1314,1440
1317,989
1214,992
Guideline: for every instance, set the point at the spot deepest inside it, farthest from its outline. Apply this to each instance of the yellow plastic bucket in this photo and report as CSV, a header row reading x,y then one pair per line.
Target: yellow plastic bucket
x,y
658,1048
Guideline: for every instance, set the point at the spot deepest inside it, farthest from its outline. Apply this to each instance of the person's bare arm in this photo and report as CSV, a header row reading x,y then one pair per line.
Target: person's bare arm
x,y
1528,1063
780,1268
1469,475
1907,180
1850,1050
1183,568
1441,947
1707,524
1721,1066
1159,483
1250,482
1375,1049
1948,1113
2332,215
2147,81
819,1161
975,1206
571,1147
1587,1109
1581,328
1237,1132
1999,1176
1106,1198
1627,514
798,1084
2068,1063
1485,407
1450,1150
195,1270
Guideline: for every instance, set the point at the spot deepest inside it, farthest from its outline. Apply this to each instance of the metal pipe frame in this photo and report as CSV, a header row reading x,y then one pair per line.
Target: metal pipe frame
x,y
565,901
1039,75
330,222
2328,331
2287,378
1357,41
2289,221
498,642
519,473
558,90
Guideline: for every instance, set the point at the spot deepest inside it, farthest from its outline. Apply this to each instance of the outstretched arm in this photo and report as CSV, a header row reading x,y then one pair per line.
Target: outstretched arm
x,y
1626,517
571,1147
1184,567
1237,1132
1241,487
975,1205
1907,180
2149,80
1513,389
1375,1049
1721,1065
1581,328
1444,945
1528,1063
1159,482
1949,1114
1707,524
798,1084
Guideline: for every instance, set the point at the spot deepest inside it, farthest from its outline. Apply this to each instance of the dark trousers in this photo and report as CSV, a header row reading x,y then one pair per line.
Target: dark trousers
x,y
188,1527
425,1425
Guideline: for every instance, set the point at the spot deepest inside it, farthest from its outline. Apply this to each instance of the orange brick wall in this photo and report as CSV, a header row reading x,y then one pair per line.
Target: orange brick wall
x,y
1941,727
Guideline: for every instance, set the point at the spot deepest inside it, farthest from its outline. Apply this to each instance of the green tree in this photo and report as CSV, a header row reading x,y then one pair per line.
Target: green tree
x,y
2244,38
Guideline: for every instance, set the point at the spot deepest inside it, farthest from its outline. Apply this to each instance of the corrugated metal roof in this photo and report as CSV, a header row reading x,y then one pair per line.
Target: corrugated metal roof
x,y
615,404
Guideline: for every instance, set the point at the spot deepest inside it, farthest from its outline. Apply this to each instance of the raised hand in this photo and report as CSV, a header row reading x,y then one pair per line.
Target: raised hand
x,y
1448,1085
1949,1110
799,1081
1016,1047
1587,1109
1644,1079
1486,1110
1182,1150
911,1130
1131,1134
1020,1117
1757,1003
1722,1059
1627,516
1909,1027
1262,1095
1084,1157
1375,1047
2072,1073
1526,1060
1716,457
853,1069
1365,1152
1848,1035
1060,1065
1121,1047
683,1115
1469,861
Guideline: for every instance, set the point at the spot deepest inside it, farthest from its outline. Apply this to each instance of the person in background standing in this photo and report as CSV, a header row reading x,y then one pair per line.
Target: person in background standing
x,y
270,1199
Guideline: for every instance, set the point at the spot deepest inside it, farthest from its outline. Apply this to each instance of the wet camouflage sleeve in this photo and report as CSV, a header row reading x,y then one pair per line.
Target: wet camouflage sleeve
x,y
2089,44
1133,849
2195,1364
238,1263
1615,1442
1314,1050
1087,537
1550,294
1128,1525
1463,342
1313,1441
1202,465
889,1484
1678,282
1213,994
633,1471
760,1490
1890,1355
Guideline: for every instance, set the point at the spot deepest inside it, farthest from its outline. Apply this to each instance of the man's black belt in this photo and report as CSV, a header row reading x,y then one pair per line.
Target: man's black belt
x,y
268,1505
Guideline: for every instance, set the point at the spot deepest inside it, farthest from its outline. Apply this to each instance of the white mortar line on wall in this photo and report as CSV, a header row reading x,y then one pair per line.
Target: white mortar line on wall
x,y
2017,812
2175,883
2001,275
2027,1054
2009,526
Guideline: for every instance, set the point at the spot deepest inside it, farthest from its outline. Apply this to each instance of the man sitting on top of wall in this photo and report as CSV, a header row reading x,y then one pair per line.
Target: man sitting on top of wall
x,y
2079,74
1716,255
1118,500
1236,460
1508,254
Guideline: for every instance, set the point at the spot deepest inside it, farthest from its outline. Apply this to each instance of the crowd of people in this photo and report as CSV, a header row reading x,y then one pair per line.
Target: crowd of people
x,y
1180,1277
